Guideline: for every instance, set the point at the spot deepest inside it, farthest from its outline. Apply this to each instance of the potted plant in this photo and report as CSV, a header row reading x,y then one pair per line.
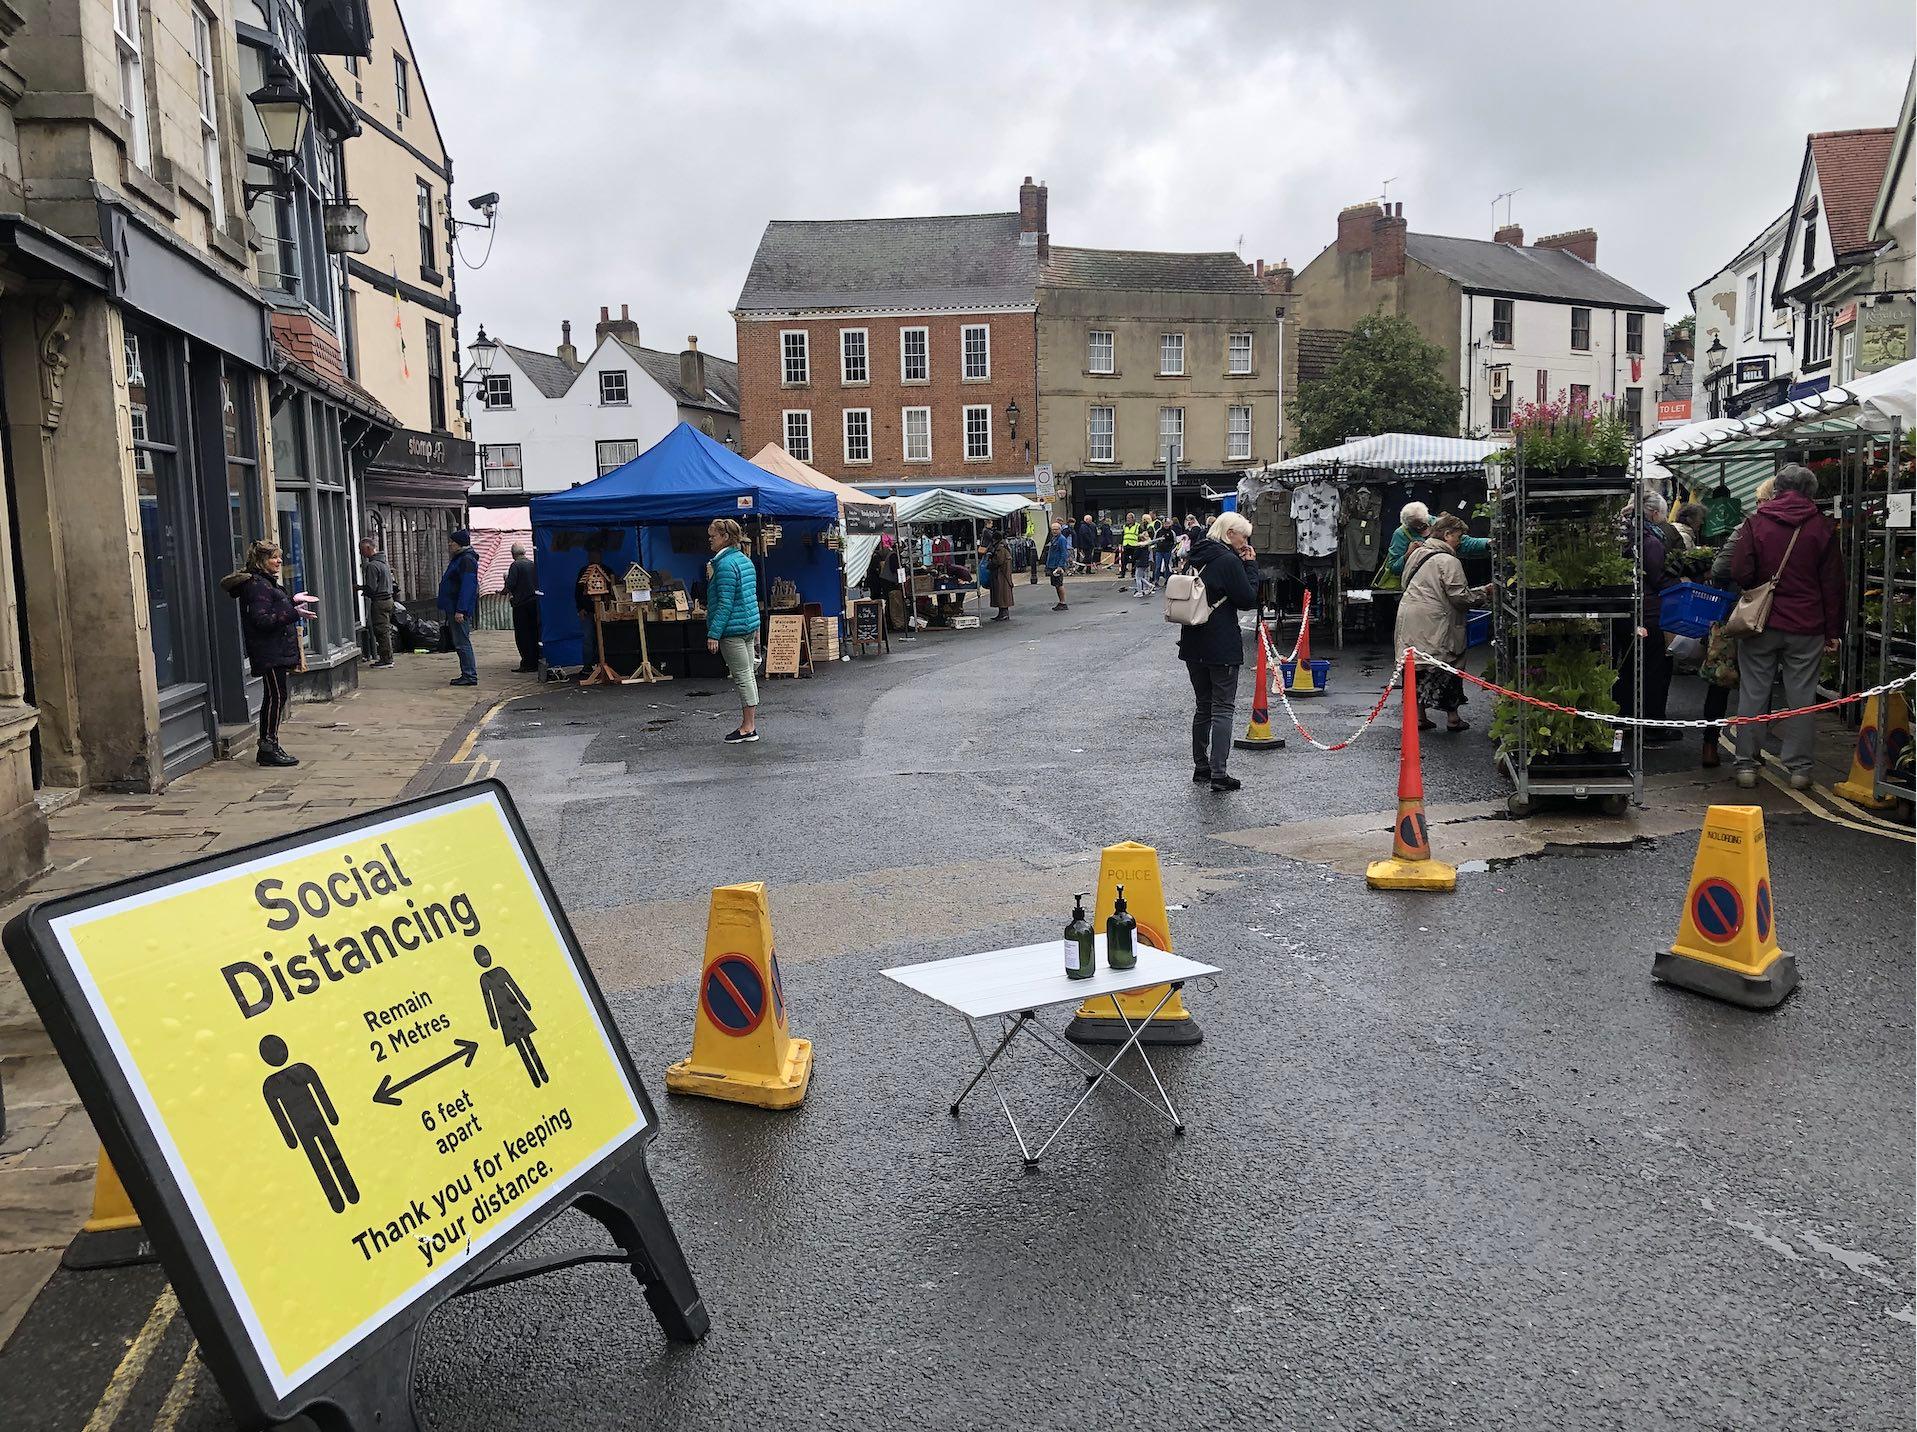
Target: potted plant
x,y
1610,441
1573,675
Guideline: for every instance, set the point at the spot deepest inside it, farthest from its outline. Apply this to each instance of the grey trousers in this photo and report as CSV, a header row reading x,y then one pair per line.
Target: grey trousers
x,y
1215,689
1798,656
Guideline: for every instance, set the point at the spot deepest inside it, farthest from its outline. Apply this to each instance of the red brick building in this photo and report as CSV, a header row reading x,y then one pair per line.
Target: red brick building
x,y
897,354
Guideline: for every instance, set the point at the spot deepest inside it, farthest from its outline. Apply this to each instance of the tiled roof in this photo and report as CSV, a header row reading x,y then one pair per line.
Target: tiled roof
x,y
1488,266
551,374
1152,272
314,359
722,378
1318,349
1850,169
949,261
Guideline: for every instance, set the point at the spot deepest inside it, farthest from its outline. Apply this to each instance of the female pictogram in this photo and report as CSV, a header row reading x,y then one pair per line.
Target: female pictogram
x,y
510,1012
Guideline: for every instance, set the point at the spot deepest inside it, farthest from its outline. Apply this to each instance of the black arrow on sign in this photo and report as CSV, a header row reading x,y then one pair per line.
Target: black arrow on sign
x,y
463,1052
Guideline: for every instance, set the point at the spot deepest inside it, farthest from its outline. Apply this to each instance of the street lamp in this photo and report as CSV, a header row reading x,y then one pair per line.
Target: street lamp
x,y
483,351
1716,352
283,112
1011,416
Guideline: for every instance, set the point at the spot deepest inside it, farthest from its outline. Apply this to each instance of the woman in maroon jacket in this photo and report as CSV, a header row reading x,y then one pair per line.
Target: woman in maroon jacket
x,y
1790,539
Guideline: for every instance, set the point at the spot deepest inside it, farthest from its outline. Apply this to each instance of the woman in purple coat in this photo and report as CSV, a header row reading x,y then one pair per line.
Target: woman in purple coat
x,y
269,622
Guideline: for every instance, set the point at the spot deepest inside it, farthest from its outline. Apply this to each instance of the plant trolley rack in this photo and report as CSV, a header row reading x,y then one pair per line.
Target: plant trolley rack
x,y
1538,621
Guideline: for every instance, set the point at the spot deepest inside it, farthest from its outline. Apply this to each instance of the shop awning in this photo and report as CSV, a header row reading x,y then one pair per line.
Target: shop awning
x,y
942,504
684,477
1403,453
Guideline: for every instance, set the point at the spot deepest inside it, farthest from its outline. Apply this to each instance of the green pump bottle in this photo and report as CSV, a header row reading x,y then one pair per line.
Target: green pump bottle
x,y
1120,952
1081,945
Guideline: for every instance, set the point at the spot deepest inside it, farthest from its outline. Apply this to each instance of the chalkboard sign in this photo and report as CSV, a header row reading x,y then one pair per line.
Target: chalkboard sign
x,y
784,646
868,625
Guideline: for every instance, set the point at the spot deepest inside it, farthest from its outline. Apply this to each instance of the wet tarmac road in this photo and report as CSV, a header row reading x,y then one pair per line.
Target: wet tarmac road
x,y
1451,1161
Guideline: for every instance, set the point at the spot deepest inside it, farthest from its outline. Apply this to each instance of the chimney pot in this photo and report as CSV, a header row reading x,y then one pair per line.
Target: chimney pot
x,y
605,314
1387,244
1031,208
623,314
692,340
566,351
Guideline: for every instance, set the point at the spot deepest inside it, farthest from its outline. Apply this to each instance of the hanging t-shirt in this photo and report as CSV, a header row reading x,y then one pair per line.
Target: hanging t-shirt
x,y
1314,507
1364,529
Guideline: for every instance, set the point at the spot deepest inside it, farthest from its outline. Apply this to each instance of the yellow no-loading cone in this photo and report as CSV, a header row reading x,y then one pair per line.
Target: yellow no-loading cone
x,y
1882,733
741,1047
1727,937
1135,867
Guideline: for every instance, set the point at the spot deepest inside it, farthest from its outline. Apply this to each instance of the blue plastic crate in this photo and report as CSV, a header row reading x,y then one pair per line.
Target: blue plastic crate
x,y
1689,608
1477,628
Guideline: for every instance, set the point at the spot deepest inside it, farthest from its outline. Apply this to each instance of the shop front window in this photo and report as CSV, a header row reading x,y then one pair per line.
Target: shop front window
x,y
242,463
156,469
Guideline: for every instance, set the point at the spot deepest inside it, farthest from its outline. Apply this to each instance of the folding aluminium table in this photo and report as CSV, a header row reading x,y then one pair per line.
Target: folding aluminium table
x,y
1011,986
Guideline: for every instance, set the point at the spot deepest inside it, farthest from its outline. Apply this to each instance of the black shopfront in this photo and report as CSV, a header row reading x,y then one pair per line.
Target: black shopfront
x,y
195,357
1120,492
414,498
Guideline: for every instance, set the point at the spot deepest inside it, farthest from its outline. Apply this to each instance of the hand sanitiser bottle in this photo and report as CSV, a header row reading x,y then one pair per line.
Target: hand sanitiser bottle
x,y
1120,953
1081,946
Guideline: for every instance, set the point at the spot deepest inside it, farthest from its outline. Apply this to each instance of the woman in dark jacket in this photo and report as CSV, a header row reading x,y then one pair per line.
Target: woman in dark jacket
x,y
1224,561
269,622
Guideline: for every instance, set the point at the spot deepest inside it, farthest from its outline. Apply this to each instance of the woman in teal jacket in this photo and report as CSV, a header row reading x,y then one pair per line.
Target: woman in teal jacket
x,y
732,619
1414,524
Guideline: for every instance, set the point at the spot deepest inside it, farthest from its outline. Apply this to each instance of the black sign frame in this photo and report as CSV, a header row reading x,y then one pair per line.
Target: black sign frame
x,y
1752,370
370,1385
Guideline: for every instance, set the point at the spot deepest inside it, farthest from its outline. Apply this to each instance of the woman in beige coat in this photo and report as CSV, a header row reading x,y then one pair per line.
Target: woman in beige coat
x,y
1431,617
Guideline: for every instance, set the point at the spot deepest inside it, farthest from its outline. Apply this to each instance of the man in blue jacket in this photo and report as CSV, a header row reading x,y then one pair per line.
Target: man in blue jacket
x,y
459,603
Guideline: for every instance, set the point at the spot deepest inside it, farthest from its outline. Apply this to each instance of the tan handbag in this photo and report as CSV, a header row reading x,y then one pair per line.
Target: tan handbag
x,y
1753,610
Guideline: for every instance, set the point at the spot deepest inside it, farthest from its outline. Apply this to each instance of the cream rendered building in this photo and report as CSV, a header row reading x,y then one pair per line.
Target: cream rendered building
x,y
403,307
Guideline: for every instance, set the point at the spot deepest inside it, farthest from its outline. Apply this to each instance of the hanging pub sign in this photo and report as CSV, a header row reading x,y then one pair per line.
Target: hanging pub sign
x,y
1500,381
1753,370
342,1073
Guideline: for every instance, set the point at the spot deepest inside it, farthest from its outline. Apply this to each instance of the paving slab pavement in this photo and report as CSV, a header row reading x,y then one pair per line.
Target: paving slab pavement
x,y
400,729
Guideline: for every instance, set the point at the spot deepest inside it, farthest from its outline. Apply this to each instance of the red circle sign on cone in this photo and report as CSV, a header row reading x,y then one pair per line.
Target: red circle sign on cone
x,y
733,995
1718,911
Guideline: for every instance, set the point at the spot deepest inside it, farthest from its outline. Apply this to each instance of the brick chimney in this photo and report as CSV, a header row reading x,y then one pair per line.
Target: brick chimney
x,y
567,353
1034,223
1509,234
622,327
692,368
1387,244
1354,227
1278,277
1582,242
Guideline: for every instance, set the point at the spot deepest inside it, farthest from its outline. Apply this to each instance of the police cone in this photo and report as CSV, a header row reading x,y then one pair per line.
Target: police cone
x,y
741,1047
1303,680
1727,936
1884,732
1258,735
1410,866
1135,867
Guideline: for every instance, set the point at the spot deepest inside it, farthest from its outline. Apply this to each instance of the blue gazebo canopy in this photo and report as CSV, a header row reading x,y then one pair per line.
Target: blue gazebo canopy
x,y
684,477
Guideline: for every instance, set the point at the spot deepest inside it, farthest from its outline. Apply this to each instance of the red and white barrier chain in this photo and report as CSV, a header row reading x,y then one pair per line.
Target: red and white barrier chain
x,y
1659,723
1278,685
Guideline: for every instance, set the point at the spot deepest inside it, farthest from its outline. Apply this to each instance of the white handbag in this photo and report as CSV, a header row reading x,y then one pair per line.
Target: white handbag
x,y
1185,603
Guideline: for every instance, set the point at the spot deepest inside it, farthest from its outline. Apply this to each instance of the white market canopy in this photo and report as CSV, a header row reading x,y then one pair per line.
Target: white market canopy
x,y
942,504
1745,450
1393,452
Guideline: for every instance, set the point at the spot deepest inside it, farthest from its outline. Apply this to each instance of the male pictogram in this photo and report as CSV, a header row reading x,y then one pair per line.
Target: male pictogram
x,y
510,1012
306,1115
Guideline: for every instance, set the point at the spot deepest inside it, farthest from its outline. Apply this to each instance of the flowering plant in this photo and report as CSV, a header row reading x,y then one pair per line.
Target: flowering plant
x,y
1610,436
1553,436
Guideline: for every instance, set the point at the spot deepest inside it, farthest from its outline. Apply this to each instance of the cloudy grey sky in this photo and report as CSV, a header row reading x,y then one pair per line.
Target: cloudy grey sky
x,y
640,148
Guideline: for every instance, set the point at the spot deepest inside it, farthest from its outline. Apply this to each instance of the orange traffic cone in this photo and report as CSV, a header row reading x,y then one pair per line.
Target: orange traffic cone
x,y
1302,682
1410,866
1258,735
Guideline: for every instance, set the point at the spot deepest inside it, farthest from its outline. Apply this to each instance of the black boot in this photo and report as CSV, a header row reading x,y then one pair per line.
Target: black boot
x,y
271,753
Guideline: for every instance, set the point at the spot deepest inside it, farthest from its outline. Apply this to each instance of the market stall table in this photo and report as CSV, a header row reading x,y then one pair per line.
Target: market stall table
x,y
1012,985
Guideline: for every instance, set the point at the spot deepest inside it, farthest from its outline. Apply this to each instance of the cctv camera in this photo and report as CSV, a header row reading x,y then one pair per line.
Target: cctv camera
x,y
484,202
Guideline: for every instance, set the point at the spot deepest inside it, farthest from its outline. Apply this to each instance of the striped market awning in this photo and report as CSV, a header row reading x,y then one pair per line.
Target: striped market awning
x,y
1392,452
